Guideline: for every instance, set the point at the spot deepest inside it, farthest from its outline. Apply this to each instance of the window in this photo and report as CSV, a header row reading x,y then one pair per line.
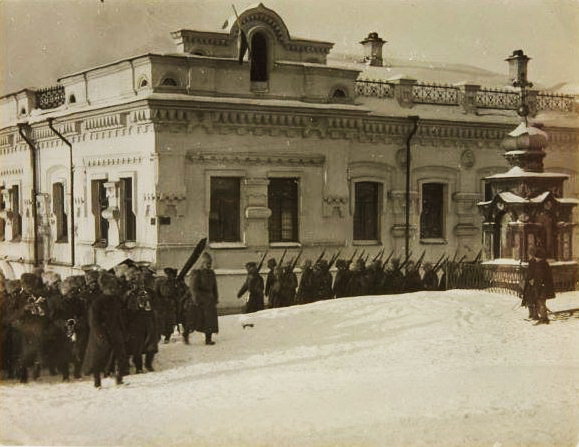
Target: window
x,y
488,191
259,58
59,211
282,200
224,210
339,93
16,217
100,203
432,216
143,83
71,99
367,211
128,223
169,82
2,210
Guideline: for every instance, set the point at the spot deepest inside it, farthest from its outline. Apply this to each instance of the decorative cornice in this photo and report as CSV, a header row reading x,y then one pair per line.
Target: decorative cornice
x,y
106,122
253,158
11,171
113,161
164,196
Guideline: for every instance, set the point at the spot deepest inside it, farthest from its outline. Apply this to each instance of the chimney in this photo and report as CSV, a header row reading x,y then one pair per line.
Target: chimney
x,y
518,68
373,49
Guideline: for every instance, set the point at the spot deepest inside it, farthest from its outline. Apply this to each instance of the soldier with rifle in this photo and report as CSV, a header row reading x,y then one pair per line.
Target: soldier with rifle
x,y
254,285
305,292
342,279
322,281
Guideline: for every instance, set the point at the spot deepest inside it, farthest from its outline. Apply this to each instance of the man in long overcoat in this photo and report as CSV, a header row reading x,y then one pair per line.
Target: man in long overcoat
x,y
539,285
204,291
106,335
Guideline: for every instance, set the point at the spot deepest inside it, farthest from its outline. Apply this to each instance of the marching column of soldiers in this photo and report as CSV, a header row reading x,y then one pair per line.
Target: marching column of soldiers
x,y
111,322
356,276
100,322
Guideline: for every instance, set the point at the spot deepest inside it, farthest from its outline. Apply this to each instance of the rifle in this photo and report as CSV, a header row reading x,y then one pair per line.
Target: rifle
x,y
260,265
334,258
321,256
437,265
366,258
387,259
378,255
419,262
282,257
361,257
295,262
478,256
193,258
401,266
461,259
353,256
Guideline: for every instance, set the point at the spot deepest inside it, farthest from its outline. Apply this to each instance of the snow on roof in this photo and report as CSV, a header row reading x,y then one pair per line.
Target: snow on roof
x,y
509,197
524,129
517,171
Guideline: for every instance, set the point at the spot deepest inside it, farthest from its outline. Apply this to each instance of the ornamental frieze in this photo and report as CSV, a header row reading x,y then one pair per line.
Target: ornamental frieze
x,y
113,161
253,158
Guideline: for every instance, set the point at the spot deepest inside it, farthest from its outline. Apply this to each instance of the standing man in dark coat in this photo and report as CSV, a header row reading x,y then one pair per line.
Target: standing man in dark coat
x,y
342,279
271,280
204,291
322,281
539,286
106,335
430,279
168,293
254,285
305,289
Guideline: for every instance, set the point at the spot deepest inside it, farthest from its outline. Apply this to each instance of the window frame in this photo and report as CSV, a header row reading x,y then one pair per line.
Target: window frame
x,y
128,216
15,207
99,220
296,212
443,212
379,199
238,224
59,211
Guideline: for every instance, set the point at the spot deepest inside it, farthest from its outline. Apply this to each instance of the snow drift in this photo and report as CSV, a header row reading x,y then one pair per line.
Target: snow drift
x,y
429,368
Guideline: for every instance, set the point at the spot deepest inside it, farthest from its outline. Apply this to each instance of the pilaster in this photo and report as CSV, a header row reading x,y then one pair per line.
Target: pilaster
x,y
257,212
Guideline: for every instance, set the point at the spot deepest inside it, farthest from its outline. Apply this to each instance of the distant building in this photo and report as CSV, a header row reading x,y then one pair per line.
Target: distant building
x,y
288,149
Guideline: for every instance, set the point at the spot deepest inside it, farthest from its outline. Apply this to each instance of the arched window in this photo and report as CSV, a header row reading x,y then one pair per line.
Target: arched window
x,y
339,93
169,82
72,99
23,111
143,83
259,58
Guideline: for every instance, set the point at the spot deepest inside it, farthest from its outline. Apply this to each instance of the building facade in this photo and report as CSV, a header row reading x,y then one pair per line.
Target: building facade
x,y
287,149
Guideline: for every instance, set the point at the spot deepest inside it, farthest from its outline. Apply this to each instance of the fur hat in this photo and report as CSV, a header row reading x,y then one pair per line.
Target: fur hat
x,y
107,280
29,280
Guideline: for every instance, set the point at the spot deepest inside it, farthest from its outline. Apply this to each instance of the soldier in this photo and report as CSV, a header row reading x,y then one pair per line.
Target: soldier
x,y
322,281
539,287
289,283
305,292
393,281
357,286
271,280
188,311
106,336
430,279
206,296
168,293
254,285
141,324
30,322
275,283
412,279
342,279
374,278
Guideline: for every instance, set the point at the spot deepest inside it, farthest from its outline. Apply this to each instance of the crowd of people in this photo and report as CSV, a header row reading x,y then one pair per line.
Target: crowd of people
x,y
100,322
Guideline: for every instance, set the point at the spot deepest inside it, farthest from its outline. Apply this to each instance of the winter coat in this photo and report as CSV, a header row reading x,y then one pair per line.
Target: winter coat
x,y
106,336
539,283
341,281
142,331
305,292
205,295
254,285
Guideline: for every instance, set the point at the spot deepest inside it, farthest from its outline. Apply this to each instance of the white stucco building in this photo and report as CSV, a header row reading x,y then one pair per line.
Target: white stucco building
x,y
289,149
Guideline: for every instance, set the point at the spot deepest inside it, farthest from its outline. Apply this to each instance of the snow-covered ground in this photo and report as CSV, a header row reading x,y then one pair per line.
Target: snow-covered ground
x,y
457,368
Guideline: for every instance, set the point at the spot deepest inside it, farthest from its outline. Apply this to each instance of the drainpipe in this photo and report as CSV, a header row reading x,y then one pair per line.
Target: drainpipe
x,y
21,127
414,119
71,176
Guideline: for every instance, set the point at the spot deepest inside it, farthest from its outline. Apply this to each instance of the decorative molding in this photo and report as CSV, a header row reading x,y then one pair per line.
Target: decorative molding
x,y
256,158
111,121
467,158
11,171
334,206
114,161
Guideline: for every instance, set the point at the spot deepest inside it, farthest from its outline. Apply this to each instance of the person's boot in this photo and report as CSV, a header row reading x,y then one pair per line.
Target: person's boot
x,y
138,362
208,340
119,379
167,339
149,356
186,338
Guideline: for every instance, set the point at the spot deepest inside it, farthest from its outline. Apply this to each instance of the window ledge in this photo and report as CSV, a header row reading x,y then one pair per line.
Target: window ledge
x,y
61,241
434,241
227,245
16,239
127,245
100,244
363,242
285,244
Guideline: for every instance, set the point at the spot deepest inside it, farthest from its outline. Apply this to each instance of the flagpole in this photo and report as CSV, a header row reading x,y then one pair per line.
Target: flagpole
x,y
241,30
